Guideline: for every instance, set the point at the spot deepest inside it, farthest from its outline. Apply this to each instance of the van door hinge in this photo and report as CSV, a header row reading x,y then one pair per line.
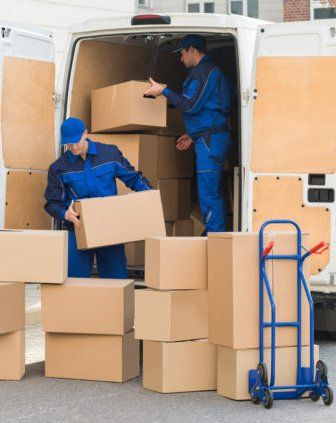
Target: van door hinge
x,y
246,95
5,32
57,99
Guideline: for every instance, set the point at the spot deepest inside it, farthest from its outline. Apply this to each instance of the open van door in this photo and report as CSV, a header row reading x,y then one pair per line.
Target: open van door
x,y
27,125
293,140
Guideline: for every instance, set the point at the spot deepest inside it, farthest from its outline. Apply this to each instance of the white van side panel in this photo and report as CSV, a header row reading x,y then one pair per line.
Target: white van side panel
x,y
306,44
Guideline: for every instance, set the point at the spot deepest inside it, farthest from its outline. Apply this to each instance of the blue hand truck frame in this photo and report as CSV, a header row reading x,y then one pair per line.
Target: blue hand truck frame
x,y
315,382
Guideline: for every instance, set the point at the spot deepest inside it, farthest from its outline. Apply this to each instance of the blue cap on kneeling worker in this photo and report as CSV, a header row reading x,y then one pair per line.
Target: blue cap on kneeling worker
x,y
72,130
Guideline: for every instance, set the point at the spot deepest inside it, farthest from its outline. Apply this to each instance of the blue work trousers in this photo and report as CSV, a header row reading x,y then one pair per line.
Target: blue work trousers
x,y
111,261
210,153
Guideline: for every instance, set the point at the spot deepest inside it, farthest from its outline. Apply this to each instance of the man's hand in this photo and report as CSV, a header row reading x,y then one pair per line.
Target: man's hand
x,y
184,142
72,216
155,90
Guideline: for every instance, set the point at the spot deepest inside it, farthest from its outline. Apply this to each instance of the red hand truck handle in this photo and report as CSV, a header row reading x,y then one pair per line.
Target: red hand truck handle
x,y
268,248
319,248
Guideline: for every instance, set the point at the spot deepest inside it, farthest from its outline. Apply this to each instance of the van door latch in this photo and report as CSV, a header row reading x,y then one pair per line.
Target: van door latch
x,y
57,99
246,95
5,32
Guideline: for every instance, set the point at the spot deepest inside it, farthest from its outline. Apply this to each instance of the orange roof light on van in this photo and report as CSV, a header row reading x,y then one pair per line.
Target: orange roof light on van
x,y
151,20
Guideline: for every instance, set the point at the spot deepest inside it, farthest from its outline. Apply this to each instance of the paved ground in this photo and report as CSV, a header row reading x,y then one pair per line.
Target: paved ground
x,y
37,399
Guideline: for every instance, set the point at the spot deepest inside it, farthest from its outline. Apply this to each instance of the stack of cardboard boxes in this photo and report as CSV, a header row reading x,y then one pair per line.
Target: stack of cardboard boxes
x,y
233,264
89,330
171,316
145,131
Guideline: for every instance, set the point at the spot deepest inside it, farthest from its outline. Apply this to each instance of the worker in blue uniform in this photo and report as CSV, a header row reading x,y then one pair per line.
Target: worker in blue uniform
x,y
88,169
205,102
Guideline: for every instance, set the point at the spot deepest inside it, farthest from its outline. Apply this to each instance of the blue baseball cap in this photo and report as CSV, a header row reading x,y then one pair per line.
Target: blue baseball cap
x,y
191,40
72,130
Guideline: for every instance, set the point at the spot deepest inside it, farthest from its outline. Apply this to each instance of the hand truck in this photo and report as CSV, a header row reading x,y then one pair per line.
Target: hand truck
x,y
316,383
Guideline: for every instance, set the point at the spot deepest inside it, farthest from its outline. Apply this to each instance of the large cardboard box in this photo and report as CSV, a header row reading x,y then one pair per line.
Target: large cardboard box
x,y
180,228
176,263
111,358
122,107
233,274
12,307
118,219
155,156
12,355
135,253
175,196
234,365
179,366
175,125
171,315
33,256
93,306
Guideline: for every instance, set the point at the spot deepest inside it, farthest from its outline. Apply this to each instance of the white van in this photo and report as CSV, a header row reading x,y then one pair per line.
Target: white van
x,y
284,127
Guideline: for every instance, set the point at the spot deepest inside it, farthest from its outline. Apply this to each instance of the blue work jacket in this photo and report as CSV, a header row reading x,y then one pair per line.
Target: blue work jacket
x,y
71,178
205,98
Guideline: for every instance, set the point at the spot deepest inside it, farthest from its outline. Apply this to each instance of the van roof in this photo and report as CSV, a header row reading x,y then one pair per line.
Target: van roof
x,y
179,22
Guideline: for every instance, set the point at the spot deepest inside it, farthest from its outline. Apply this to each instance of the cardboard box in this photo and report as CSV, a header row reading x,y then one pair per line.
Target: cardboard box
x,y
176,263
135,253
118,219
175,196
33,256
110,358
123,108
171,315
180,228
12,355
12,307
233,367
93,306
234,293
175,125
179,366
155,156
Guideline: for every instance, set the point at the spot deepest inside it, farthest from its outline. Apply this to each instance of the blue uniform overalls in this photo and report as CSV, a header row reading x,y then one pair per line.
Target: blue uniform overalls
x,y
72,178
205,102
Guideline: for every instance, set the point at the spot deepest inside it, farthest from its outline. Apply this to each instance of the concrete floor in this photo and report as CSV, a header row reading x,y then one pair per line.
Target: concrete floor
x,y
37,399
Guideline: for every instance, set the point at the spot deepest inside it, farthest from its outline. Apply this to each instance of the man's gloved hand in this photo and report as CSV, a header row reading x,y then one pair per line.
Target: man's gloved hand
x,y
184,142
155,90
72,216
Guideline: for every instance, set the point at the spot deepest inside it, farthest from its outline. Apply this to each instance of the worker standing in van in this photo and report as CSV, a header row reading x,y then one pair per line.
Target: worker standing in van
x,y
205,102
88,169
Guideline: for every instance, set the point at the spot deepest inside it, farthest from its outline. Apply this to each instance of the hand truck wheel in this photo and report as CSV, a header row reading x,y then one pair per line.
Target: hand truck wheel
x,y
262,370
256,401
328,396
314,397
268,399
322,368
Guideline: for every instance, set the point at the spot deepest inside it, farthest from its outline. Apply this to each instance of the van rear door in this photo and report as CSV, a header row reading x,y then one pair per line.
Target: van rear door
x,y
27,125
293,138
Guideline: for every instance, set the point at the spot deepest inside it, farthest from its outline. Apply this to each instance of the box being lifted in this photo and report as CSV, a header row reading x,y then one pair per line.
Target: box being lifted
x,y
119,219
122,107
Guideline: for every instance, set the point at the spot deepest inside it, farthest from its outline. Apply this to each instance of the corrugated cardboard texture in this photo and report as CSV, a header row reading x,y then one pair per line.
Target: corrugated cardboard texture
x,y
234,293
12,355
292,112
171,315
110,358
176,263
175,196
123,107
27,113
24,204
175,125
92,306
180,228
34,256
234,365
179,366
135,253
120,63
282,198
12,307
113,220
155,156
